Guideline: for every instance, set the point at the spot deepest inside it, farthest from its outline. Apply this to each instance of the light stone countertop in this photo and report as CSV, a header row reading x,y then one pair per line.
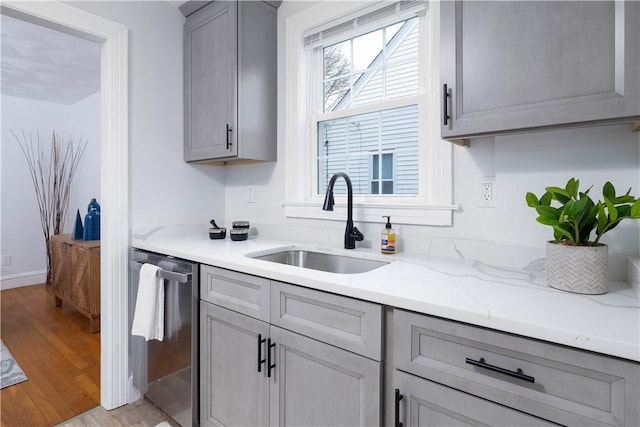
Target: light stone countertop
x,y
505,299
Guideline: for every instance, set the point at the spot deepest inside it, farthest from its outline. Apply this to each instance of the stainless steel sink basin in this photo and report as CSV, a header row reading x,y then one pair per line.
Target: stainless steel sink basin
x,y
341,264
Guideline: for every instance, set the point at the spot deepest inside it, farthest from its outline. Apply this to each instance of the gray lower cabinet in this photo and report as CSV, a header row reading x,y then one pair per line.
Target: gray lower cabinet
x,y
230,82
343,322
316,384
421,402
236,291
284,355
513,66
254,373
232,391
552,382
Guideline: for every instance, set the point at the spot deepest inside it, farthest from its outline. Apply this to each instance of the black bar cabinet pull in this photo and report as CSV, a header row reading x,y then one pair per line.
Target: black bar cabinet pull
x,y
519,374
270,365
397,414
445,104
260,359
228,136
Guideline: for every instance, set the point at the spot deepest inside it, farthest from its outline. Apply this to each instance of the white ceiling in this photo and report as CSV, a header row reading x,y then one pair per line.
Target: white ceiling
x,y
45,64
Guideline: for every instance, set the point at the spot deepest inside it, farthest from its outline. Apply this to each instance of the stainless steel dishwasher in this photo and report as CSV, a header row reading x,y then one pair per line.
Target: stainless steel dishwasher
x,y
166,372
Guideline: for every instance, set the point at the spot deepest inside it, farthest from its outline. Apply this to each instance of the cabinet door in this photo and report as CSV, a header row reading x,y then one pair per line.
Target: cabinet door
x,y
425,403
515,65
210,82
80,277
60,268
316,384
232,391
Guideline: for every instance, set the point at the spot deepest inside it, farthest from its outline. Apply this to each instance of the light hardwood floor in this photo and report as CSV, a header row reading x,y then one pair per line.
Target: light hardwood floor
x,y
61,357
57,352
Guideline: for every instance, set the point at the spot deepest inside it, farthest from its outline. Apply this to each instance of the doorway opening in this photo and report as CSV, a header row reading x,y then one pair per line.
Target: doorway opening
x,y
114,178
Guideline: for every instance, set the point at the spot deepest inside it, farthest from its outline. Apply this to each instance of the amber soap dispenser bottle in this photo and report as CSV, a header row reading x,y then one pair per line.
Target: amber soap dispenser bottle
x,y
388,238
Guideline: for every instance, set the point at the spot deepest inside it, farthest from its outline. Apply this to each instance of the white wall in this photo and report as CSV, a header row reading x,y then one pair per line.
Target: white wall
x,y
84,123
164,189
520,163
21,232
21,235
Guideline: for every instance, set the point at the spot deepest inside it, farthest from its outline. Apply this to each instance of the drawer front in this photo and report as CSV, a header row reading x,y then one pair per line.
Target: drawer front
x,y
239,292
348,323
569,386
425,403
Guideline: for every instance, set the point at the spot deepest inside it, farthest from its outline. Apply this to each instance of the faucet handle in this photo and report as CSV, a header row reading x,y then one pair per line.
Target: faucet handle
x,y
356,234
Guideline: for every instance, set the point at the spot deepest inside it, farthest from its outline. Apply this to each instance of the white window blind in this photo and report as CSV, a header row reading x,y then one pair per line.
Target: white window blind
x,y
362,21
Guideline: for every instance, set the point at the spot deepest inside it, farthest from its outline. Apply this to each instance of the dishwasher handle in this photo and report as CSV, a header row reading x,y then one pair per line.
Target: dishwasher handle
x,y
165,274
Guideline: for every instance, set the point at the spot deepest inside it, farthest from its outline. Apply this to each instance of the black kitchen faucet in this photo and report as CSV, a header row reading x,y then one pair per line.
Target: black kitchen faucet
x,y
351,233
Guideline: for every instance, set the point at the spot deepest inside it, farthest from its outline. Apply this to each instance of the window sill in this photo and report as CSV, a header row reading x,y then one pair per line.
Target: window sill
x,y
411,215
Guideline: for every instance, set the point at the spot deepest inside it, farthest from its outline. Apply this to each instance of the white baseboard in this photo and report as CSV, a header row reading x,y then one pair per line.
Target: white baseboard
x,y
19,280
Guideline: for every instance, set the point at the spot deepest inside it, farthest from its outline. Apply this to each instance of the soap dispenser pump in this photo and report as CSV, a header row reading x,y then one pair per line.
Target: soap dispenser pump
x,y
388,238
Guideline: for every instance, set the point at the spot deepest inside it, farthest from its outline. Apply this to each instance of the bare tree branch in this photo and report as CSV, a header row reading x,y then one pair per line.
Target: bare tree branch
x,y
52,176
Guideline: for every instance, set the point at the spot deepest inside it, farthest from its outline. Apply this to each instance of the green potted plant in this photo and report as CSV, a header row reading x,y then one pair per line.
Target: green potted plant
x,y
576,261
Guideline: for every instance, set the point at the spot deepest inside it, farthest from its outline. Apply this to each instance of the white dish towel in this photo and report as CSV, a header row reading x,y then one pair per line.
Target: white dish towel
x,y
148,318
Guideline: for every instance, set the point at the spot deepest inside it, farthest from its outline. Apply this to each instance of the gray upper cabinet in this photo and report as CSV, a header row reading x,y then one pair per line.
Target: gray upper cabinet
x,y
230,82
515,66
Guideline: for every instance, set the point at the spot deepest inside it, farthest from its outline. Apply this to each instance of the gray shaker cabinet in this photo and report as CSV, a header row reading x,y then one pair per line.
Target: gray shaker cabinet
x,y
426,403
515,66
548,381
232,391
254,373
230,82
317,384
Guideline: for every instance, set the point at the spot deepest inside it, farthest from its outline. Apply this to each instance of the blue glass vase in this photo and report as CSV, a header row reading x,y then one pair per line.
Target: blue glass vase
x,y
93,204
92,221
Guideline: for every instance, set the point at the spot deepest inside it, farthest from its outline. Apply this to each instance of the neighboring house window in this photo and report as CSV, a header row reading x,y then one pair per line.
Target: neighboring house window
x,y
382,174
362,97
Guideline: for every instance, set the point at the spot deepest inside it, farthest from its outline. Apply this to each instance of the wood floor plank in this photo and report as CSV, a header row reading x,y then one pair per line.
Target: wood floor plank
x,y
60,356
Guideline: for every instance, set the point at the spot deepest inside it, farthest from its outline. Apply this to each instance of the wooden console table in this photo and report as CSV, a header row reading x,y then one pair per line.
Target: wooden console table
x,y
75,271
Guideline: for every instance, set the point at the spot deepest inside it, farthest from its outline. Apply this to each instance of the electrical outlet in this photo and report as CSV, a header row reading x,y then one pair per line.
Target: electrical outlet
x,y
251,193
487,193
6,260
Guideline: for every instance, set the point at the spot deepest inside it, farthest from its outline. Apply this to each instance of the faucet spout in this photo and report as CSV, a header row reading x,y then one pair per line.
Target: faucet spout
x,y
351,233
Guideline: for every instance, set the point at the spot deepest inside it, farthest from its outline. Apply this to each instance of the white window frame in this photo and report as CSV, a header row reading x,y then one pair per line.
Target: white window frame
x,y
433,205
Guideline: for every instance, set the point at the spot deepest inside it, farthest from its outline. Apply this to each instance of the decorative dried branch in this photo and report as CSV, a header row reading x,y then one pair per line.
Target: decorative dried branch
x,y
52,177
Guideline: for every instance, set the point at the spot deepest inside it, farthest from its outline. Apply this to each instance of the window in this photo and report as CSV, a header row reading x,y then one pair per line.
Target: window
x,y
365,72
359,100
381,174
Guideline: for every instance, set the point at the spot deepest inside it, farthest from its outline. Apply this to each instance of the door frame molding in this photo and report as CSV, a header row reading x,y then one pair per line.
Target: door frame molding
x,y
114,179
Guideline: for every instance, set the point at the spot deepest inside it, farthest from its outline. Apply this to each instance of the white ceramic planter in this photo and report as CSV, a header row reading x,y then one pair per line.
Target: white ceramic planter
x,y
578,269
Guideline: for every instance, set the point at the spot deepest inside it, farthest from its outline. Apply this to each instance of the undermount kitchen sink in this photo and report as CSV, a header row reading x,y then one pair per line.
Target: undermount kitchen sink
x,y
304,258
